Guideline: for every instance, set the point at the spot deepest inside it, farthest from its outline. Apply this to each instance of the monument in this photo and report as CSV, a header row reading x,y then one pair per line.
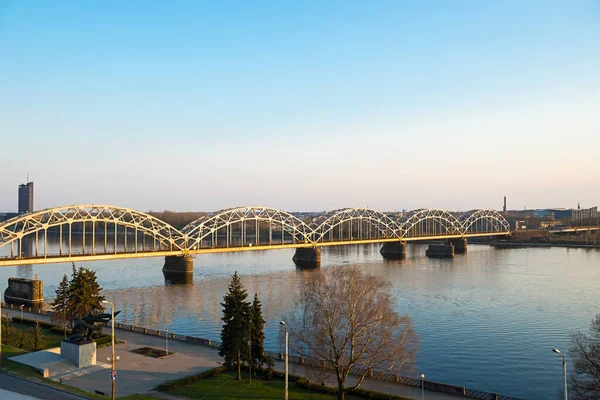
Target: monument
x,y
79,348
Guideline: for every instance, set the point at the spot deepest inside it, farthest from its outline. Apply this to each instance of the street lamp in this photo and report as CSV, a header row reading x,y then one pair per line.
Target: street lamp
x,y
166,341
286,359
113,375
422,386
21,307
557,351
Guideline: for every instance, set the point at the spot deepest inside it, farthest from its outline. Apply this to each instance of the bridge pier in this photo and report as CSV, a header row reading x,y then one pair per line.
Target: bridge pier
x,y
178,265
440,251
307,257
460,245
393,251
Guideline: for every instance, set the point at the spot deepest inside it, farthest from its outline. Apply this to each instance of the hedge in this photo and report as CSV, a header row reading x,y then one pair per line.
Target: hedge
x,y
191,379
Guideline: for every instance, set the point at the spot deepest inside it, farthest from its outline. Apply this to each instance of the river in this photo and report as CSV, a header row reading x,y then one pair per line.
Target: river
x,y
487,320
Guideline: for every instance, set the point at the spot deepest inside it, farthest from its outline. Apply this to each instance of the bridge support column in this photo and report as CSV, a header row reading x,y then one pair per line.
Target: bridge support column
x,y
307,257
440,251
393,251
178,268
460,245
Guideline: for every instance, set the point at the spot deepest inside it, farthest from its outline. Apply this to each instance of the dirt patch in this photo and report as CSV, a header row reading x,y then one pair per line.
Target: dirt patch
x,y
151,352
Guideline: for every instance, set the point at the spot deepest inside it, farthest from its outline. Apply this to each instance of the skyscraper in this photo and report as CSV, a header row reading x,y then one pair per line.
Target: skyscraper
x,y
26,197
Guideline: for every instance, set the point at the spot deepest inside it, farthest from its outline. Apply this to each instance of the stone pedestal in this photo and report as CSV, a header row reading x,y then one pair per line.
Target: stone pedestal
x,y
393,251
80,354
307,257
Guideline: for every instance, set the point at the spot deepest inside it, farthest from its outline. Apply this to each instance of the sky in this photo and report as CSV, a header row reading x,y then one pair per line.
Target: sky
x,y
302,106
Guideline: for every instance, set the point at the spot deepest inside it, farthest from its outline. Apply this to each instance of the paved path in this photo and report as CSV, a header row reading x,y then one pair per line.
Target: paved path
x,y
139,374
24,390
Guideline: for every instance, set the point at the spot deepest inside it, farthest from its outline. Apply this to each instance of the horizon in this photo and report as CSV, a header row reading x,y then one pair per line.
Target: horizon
x,y
312,106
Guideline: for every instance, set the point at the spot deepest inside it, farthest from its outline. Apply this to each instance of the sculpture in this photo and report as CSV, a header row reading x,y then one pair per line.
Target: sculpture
x,y
84,328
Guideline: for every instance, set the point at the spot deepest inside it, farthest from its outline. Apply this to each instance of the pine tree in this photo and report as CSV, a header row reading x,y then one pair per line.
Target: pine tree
x,y
257,334
236,325
61,303
84,294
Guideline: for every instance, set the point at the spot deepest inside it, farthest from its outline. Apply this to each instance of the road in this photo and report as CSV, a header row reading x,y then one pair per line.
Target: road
x,y
35,390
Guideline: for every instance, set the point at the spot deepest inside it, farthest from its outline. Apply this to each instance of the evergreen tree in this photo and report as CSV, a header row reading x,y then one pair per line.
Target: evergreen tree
x,y
236,325
84,294
61,303
257,334
7,329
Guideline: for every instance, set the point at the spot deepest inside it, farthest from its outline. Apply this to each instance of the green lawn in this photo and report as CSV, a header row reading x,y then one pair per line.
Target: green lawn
x,y
225,386
50,338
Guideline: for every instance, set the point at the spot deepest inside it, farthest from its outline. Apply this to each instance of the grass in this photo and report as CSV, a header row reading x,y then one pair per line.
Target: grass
x,y
226,387
51,339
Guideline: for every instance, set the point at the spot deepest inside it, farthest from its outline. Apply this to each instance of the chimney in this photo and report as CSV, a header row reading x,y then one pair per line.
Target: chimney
x,y
504,209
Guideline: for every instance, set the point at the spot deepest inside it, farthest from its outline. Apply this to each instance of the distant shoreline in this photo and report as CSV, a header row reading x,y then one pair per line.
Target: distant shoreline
x,y
512,245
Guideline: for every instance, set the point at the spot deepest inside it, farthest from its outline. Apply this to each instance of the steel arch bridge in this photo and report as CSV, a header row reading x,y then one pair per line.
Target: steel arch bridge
x,y
103,232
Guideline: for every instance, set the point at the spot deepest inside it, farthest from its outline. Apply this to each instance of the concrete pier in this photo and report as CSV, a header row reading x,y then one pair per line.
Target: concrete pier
x,y
440,251
393,251
29,292
460,245
309,257
179,264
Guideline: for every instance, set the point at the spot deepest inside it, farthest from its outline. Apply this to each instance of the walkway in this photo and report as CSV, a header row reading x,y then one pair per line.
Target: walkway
x,y
138,374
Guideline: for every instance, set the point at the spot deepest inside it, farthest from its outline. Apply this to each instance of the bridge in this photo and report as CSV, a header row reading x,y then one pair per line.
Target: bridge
x,y
101,232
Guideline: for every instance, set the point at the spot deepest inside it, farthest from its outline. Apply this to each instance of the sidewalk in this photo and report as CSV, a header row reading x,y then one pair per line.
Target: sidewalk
x,y
139,374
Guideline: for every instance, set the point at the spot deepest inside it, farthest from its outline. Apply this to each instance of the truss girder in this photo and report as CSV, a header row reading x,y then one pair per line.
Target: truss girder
x,y
383,224
30,223
210,224
424,222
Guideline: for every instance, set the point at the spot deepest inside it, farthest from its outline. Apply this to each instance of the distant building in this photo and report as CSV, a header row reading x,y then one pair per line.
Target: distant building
x,y
585,213
543,214
26,197
7,215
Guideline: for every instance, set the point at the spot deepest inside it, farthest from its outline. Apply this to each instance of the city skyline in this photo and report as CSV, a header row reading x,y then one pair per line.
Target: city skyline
x,y
192,107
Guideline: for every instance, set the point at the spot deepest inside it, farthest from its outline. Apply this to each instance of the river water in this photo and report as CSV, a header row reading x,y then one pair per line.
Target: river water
x,y
487,320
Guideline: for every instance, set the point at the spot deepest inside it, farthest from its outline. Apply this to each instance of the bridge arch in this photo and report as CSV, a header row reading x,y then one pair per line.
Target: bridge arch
x,y
483,221
207,227
91,216
429,222
366,219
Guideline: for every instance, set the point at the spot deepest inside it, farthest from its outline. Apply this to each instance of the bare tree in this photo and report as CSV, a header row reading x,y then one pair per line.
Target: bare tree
x,y
585,350
345,321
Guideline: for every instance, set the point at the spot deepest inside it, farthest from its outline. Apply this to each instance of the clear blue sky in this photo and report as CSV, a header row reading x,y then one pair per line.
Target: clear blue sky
x,y
309,105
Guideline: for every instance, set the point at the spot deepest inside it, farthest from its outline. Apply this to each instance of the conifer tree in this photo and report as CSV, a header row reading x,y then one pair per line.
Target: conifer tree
x,y
257,334
61,303
236,325
84,293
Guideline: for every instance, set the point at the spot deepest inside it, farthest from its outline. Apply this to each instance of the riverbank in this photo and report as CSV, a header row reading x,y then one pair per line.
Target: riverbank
x,y
514,245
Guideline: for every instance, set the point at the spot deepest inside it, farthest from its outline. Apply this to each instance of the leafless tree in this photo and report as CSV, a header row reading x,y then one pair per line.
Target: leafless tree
x,y
585,350
345,321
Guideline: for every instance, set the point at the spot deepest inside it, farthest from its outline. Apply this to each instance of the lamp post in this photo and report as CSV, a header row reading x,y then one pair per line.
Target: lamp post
x,y
166,341
557,351
250,361
422,386
21,307
113,375
286,358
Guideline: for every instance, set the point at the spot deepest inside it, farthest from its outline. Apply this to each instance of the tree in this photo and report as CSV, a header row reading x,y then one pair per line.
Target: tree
x,y
7,329
84,294
257,334
61,303
37,334
345,320
236,324
585,351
